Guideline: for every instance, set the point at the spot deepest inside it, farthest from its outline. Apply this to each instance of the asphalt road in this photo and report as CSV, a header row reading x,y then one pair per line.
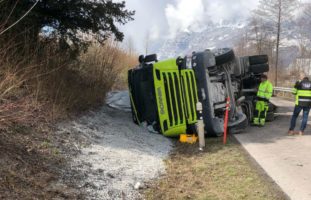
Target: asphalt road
x,y
286,159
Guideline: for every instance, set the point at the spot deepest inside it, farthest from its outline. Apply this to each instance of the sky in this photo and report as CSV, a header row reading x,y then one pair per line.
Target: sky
x,y
159,20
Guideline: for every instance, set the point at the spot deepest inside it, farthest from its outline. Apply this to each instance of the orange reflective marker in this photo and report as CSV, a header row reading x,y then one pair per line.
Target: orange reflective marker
x,y
226,120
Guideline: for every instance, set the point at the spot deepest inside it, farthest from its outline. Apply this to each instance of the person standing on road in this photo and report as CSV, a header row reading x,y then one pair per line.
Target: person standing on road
x,y
264,94
302,91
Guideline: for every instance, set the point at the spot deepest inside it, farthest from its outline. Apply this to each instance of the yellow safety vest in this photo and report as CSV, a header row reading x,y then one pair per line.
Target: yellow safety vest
x,y
265,90
302,90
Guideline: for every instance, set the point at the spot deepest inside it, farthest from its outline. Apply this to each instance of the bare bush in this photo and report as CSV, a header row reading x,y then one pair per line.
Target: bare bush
x,y
49,76
107,65
100,65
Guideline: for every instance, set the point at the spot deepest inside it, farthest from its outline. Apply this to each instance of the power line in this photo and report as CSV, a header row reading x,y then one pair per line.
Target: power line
x,y
20,19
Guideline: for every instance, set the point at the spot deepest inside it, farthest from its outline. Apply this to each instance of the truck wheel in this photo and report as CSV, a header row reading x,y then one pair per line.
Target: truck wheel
x,y
239,128
247,112
223,56
258,69
260,59
270,116
272,107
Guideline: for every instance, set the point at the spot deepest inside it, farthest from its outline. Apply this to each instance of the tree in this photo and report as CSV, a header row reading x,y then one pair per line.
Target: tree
x,y
274,14
306,20
307,10
130,47
261,36
65,19
147,42
241,47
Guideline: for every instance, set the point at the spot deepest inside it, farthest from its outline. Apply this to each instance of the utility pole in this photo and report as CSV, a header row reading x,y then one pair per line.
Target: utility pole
x,y
147,41
278,41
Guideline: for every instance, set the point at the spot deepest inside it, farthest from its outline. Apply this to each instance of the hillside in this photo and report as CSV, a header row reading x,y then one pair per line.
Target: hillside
x,y
230,34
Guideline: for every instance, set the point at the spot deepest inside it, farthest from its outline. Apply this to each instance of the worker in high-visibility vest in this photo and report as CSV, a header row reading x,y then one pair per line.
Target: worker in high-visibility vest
x,y
264,94
302,91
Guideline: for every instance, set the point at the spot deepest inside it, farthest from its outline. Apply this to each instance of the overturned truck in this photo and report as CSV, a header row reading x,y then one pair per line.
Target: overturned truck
x,y
164,93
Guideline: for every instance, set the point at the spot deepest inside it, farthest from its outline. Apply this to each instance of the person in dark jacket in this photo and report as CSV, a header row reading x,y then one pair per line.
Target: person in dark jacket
x,y
302,91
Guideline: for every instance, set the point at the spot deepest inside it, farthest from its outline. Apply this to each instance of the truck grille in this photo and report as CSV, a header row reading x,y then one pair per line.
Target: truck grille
x,y
173,98
190,95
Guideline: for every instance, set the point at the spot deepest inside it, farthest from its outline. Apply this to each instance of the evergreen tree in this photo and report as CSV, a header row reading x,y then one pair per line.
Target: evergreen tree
x,y
67,20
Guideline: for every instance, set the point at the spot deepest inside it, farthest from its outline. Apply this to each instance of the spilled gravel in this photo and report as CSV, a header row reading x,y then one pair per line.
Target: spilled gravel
x,y
116,156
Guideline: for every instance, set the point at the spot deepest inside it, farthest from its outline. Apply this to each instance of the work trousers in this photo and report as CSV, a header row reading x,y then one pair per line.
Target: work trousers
x,y
295,115
260,113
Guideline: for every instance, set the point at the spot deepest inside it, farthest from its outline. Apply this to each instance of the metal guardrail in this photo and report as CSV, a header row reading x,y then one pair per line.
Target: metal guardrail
x,y
276,89
283,92
283,89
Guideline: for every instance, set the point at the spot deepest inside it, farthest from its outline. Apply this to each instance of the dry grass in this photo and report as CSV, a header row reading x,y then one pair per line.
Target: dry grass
x,y
52,77
222,172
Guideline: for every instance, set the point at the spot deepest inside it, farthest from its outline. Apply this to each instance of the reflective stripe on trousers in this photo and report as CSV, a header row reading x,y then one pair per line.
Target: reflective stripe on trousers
x,y
260,113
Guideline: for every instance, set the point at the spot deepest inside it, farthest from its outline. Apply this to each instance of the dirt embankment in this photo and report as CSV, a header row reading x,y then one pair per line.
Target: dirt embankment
x,y
31,163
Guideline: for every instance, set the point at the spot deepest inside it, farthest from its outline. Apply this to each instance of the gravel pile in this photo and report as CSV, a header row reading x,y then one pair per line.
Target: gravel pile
x,y
117,157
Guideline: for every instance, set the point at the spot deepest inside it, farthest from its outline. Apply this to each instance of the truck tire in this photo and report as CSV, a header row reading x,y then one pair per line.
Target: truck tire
x,y
256,60
270,116
239,128
247,110
259,69
224,56
272,107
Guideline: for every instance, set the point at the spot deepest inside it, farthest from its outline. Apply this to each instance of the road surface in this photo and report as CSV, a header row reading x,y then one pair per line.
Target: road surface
x,y
286,159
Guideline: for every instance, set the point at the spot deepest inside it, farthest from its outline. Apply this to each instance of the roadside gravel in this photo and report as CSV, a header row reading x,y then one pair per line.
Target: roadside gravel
x,y
116,156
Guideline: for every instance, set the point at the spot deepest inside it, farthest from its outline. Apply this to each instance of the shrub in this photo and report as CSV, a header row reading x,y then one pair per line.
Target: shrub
x,y
51,78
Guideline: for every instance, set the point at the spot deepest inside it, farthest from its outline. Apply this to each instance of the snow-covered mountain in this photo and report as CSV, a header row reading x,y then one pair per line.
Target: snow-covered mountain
x,y
229,34
214,36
